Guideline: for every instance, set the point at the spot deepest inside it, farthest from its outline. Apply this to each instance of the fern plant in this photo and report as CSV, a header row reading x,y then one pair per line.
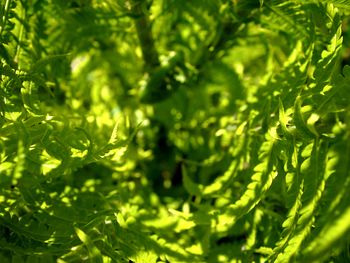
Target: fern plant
x,y
174,131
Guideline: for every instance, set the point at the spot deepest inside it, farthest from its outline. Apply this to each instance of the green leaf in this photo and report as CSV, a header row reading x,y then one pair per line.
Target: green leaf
x,y
94,253
190,186
299,122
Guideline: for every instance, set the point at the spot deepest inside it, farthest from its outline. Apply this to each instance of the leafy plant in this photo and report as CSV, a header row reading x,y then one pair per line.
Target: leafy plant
x,y
174,131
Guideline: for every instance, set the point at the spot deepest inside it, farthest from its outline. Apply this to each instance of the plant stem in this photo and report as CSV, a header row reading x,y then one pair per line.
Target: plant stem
x,y
4,17
144,33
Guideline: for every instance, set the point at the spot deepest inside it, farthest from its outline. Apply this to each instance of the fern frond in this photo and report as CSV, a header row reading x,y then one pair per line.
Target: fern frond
x,y
332,224
343,5
302,215
261,180
289,18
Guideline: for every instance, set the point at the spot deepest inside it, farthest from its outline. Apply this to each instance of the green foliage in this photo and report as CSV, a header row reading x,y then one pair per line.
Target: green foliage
x,y
174,131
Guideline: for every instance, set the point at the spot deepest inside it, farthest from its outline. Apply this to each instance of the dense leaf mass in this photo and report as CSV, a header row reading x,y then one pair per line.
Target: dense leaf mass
x,y
174,131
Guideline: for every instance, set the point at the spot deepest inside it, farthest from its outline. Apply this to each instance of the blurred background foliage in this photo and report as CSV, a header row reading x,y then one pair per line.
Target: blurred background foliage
x,y
174,131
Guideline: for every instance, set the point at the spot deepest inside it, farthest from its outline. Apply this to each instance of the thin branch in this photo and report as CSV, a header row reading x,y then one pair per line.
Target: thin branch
x,y
144,33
